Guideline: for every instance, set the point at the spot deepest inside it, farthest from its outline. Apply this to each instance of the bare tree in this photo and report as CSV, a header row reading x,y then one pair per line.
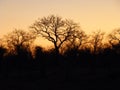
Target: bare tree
x,y
96,40
114,40
114,37
19,38
55,30
79,39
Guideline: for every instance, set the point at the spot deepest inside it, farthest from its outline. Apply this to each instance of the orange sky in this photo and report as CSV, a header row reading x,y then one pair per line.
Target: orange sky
x,y
91,14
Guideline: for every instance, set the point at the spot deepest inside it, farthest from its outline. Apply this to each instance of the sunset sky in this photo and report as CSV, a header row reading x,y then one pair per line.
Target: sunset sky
x,y
90,14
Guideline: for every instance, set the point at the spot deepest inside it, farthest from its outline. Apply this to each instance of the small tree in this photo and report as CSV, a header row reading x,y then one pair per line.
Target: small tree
x,y
79,39
114,40
96,40
114,37
18,39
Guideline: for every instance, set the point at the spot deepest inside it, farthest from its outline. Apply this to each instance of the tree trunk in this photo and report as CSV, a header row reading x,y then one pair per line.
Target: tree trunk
x,y
56,49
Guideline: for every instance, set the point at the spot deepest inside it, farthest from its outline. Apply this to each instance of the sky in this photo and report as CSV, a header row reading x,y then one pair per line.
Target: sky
x,y
92,15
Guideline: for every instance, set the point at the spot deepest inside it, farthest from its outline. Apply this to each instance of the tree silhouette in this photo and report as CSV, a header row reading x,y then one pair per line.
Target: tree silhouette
x,y
18,39
78,40
96,41
114,37
114,40
55,30
19,56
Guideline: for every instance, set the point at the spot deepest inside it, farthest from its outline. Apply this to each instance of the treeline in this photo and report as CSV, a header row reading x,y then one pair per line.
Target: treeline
x,y
74,57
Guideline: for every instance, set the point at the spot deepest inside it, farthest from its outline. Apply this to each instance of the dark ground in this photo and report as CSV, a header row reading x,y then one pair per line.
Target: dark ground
x,y
58,79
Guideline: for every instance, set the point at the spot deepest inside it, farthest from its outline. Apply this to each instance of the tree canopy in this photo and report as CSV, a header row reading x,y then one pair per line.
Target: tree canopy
x,y
56,30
